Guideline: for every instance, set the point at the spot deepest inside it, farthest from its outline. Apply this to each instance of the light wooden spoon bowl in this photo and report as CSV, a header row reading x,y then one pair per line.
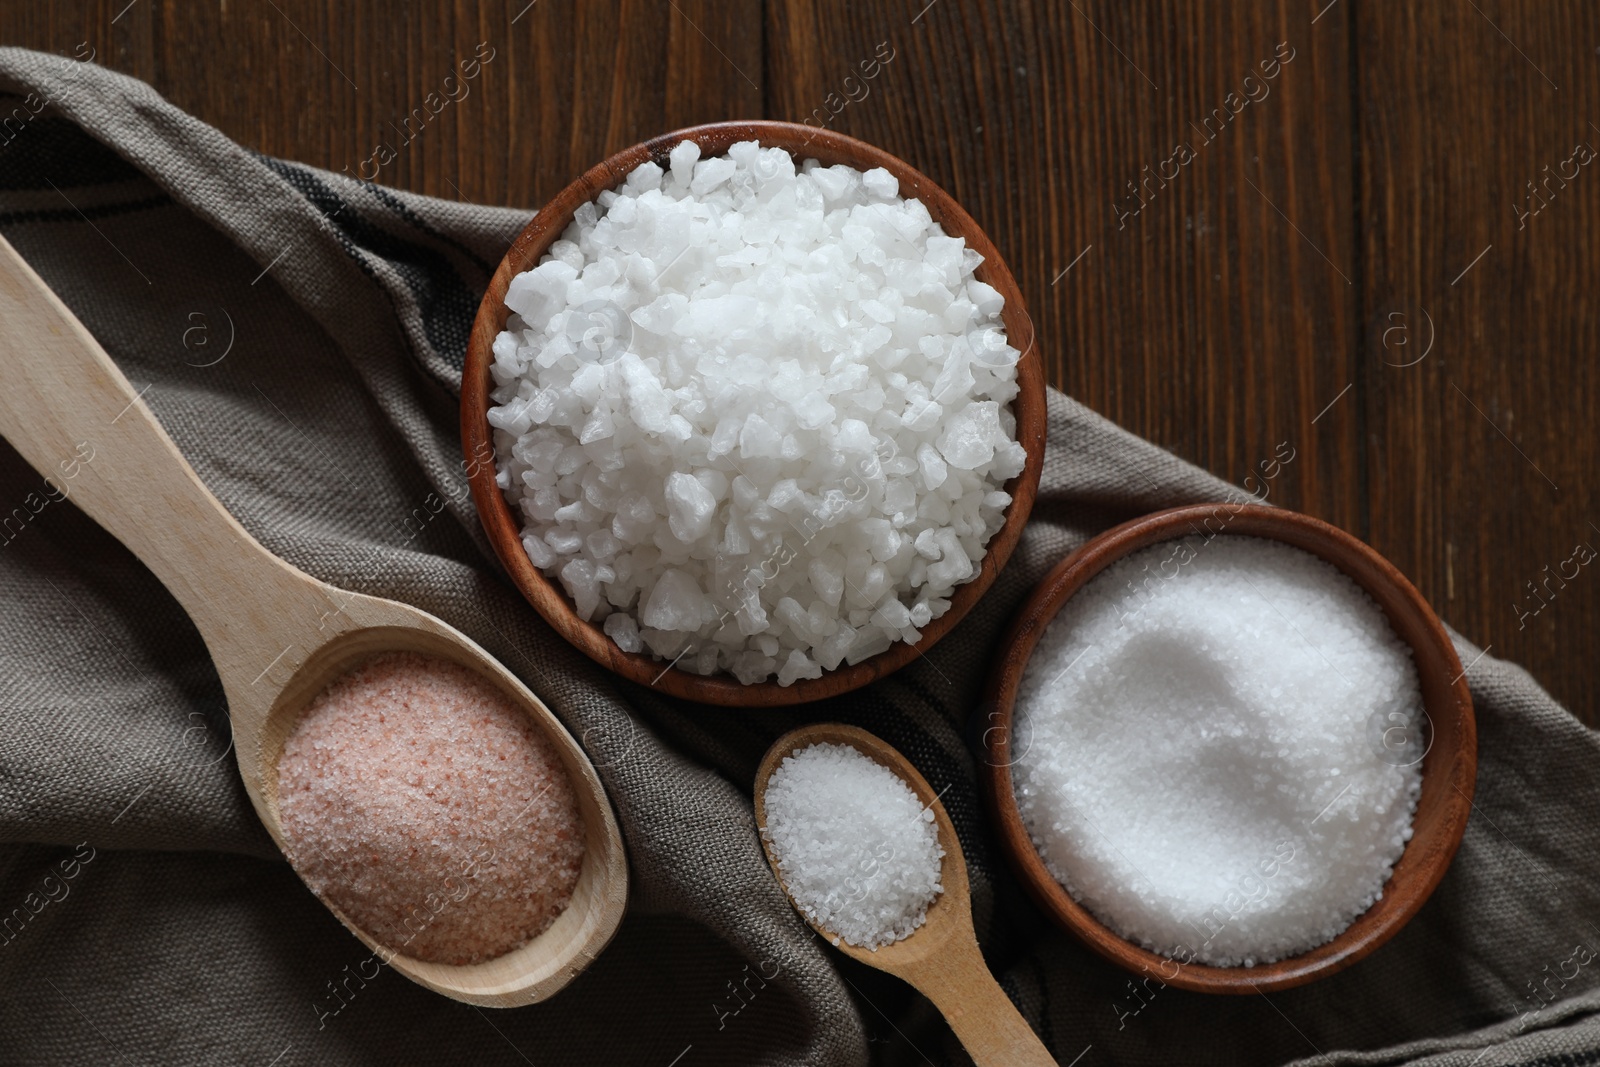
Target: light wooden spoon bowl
x,y
276,635
941,960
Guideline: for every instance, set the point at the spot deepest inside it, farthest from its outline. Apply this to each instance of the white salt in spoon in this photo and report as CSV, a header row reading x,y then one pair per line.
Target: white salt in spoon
x,y
276,635
941,960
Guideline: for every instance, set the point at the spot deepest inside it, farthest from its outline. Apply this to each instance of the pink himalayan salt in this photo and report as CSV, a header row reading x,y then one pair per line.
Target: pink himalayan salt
x,y
424,804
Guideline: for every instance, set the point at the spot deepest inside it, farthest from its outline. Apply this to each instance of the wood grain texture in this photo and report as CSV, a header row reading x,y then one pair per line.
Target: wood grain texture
x,y
1482,455
276,635
1449,763
1201,313
941,958
1221,319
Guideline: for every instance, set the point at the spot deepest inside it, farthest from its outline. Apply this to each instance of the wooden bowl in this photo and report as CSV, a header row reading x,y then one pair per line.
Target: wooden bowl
x,y
1449,766
504,528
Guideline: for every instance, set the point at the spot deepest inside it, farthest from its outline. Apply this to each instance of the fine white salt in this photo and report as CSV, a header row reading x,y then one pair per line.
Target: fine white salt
x,y
1195,749
858,851
756,419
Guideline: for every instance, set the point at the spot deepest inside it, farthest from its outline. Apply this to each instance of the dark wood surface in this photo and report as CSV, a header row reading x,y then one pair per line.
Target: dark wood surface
x,y
1269,285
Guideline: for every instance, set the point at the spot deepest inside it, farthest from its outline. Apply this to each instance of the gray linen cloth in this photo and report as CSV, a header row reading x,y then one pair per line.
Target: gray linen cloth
x,y
301,336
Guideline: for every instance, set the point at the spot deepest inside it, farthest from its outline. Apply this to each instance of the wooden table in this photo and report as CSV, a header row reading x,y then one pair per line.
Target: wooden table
x,y
1355,230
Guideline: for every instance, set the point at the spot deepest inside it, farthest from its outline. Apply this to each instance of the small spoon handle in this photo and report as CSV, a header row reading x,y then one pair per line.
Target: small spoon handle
x,y
73,415
993,1032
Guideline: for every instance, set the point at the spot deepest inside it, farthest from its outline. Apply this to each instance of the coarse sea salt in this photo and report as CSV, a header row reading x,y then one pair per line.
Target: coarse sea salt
x,y
858,851
1196,749
422,803
756,419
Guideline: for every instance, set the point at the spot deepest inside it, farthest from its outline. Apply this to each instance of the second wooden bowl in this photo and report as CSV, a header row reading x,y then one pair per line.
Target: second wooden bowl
x,y
504,530
1449,767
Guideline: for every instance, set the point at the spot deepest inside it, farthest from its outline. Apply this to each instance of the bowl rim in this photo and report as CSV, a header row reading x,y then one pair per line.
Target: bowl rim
x,y
1449,766
504,531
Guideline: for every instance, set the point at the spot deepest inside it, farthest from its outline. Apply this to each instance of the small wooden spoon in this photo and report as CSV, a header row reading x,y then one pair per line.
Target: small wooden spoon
x,y
276,635
941,960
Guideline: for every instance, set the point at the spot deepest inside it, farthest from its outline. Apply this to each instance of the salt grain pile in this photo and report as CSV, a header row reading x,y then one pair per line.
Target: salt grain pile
x,y
858,852
1196,749
756,420
417,799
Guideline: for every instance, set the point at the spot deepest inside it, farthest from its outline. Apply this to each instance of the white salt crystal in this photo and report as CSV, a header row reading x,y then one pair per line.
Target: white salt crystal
x,y
580,579
758,440
689,506
676,603
727,379
969,437
683,157
880,183
620,627
933,468
797,666
827,580
710,173
564,541
1200,770
538,294
538,552
858,852
834,182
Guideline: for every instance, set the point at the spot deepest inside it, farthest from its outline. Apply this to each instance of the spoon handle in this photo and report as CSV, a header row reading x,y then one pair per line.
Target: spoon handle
x,y
75,418
961,986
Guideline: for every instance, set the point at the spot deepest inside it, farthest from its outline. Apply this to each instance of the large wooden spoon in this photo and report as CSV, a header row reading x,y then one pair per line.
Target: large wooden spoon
x,y
941,959
276,634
